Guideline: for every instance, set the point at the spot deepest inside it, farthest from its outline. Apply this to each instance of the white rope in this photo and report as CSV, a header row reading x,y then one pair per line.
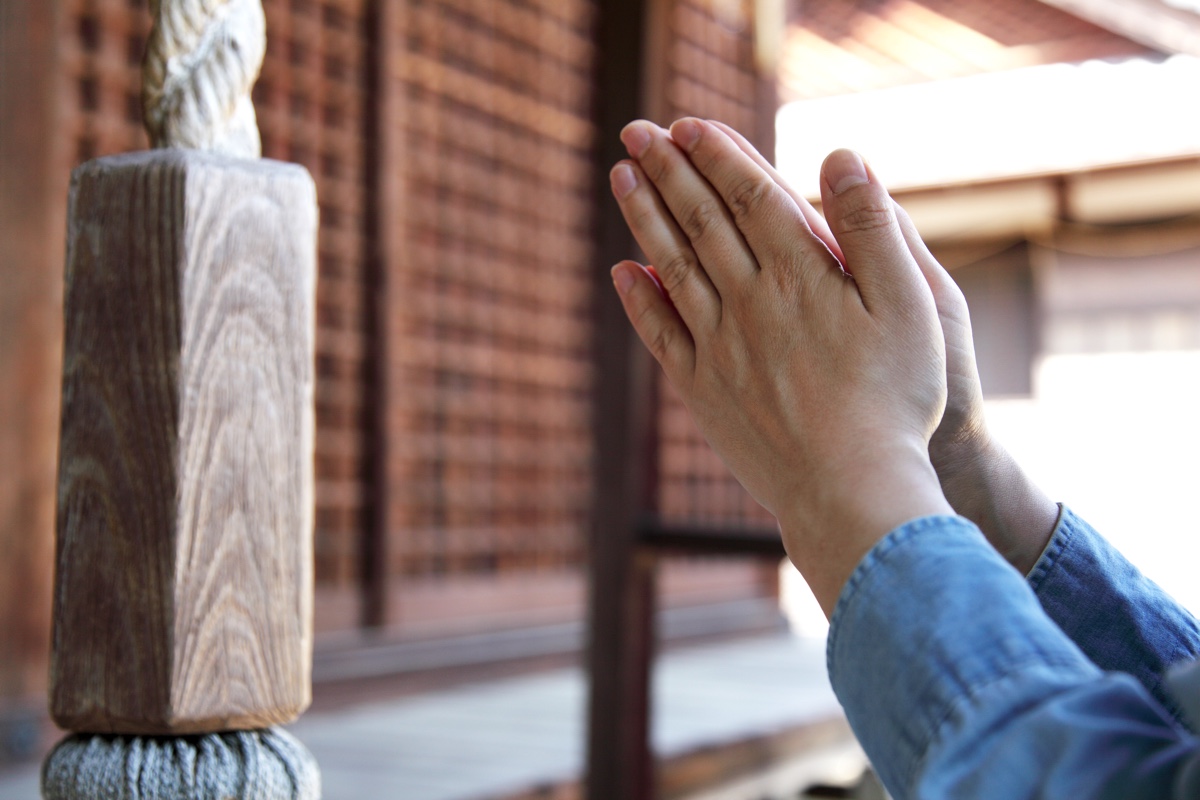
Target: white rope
x,y
201,63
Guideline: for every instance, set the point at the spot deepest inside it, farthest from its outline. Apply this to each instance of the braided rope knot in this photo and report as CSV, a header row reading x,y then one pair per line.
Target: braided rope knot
x,y
201,63
268,764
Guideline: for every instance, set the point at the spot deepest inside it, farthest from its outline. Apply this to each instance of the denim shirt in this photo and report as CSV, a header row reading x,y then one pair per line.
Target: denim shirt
x,y
962,679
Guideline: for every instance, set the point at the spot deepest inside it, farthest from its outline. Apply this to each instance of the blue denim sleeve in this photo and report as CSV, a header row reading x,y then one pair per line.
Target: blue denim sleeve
x,y
958,684
1119,618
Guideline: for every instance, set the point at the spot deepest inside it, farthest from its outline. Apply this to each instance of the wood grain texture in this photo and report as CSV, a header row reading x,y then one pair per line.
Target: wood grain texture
x,y
183,595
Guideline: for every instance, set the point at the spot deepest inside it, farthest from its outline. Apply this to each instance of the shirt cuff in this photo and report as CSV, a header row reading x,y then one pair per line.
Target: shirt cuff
x,y
1060,539
1050,544
931,615
1120,619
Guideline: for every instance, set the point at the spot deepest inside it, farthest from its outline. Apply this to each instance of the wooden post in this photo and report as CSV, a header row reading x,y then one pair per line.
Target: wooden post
x,y
385,21
184,590
621,576
183,594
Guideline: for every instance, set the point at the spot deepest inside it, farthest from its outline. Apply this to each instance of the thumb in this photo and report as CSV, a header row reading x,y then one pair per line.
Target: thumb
x,y
862,218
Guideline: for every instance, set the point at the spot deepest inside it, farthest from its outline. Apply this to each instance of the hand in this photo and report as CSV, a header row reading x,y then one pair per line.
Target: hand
x,y
963,428
978,476
820,391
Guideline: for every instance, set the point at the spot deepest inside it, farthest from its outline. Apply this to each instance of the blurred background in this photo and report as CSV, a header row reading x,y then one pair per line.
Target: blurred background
x,y
1049,151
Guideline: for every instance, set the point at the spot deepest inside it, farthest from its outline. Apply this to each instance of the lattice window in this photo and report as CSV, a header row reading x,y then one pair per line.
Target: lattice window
x,y
311,105
710,73
101,59
491,453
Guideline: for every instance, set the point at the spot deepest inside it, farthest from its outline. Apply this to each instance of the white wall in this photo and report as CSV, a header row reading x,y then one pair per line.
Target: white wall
x,y
1116,436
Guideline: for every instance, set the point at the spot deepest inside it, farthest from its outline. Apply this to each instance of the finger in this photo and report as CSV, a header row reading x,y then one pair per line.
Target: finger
x,y
863,219
653,273
951,304
657,324
952,309
816,222
767,216
696,207
682,278
936,276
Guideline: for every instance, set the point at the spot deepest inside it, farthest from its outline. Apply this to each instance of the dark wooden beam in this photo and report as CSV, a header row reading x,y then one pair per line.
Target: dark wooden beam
x,y
385,242
713,541
621,579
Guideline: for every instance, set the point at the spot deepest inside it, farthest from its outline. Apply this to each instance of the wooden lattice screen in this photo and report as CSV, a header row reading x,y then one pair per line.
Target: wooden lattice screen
x,y
311,104
489,443
101,54
453,423
709,72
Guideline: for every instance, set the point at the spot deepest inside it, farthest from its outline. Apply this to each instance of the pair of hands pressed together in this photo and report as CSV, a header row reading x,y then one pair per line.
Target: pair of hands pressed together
x,y
825,394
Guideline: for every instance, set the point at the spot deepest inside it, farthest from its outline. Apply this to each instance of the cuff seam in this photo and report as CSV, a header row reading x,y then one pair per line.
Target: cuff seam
x,y
1060,539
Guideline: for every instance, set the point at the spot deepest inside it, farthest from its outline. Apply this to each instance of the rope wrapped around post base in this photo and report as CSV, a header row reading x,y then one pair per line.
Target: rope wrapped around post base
x,y
268,764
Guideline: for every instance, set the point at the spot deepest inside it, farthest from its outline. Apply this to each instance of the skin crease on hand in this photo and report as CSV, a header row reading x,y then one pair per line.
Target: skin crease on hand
x,y
819,391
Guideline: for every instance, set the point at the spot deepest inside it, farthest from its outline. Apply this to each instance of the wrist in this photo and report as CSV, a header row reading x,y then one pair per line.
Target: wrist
x,y
836,521
984,483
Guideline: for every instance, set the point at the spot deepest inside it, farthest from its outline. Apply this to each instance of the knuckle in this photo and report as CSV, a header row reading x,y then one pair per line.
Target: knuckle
x,y
865,217
699,220
748,197
661,342
674,271
658,336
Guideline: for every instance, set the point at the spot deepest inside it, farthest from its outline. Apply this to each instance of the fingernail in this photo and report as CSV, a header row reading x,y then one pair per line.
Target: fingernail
x,y
686,132
845,169
622,279
623,180
636,139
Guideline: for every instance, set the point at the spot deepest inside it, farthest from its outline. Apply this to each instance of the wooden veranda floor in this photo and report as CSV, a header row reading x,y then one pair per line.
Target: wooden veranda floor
x,y
512,736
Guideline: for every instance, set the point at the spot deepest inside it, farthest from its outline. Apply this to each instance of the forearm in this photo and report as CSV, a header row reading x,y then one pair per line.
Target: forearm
x,y
984,483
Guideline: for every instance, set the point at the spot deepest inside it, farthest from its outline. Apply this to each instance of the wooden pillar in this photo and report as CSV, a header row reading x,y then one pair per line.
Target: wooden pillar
x,y
32,218
385,235
621,588
183,589
183,595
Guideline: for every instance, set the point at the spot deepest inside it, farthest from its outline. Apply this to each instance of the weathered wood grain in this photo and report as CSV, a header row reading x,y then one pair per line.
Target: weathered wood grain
x,y
183,596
